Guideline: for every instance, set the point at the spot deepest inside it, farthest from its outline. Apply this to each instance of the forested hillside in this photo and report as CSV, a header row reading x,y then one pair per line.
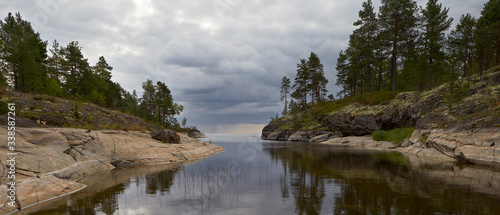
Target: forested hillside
x,y
405,67
403,47
27,65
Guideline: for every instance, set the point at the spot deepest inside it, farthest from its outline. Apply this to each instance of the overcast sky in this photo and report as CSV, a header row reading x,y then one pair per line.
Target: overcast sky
x,y
222,59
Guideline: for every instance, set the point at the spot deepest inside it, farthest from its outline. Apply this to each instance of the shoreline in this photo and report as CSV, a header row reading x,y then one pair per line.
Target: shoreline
x,y
56,158
479,147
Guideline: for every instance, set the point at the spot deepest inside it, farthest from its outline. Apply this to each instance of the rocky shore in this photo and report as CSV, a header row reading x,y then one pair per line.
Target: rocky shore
x,y
460,126
50,161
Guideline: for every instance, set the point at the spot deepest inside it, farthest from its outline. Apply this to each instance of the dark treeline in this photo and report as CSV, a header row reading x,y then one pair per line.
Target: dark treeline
x,y
27,66
406,47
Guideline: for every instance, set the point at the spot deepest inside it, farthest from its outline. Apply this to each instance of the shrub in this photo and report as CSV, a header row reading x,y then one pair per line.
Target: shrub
x,y
380,135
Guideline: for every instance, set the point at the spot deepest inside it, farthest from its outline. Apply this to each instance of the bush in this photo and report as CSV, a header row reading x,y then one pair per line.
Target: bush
x,y
380,135
395,136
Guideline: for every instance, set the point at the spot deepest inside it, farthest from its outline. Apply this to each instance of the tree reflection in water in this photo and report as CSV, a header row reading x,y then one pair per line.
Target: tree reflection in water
x,y
371,183
106,201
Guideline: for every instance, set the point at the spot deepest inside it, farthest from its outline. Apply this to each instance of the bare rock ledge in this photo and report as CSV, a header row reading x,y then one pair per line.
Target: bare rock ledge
x,y
49,161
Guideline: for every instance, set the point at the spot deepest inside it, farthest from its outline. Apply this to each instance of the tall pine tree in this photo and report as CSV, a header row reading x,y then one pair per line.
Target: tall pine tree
x,y
435,22
397,20
367,24
285,90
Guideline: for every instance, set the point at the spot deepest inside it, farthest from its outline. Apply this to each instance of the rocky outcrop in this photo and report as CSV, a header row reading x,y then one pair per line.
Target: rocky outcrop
x,y
301,136
326,136
197,134
278,135
471,106
268,130
365,142
166,136
49,161
460,126
478,147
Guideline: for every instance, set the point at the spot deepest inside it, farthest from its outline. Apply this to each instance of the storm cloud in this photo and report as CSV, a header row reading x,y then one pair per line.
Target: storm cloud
x,y
222,59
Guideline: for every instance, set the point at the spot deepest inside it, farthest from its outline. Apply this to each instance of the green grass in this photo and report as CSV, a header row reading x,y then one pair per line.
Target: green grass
x,y
395,136
373,98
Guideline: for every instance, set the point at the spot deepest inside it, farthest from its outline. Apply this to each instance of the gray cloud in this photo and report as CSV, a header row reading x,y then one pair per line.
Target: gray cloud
x,y
222,59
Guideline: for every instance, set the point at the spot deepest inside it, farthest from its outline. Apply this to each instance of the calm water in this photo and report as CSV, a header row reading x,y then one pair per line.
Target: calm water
x,y
258,177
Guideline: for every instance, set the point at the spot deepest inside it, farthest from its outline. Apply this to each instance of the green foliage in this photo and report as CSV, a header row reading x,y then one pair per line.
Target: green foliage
x,y
53,88
373,98
395,136
458,91
285,91
23,54
75,108
309,81
423,138
4,109
157,105
397,22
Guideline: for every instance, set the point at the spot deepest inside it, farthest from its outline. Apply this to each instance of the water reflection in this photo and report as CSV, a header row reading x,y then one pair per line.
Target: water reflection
x,y
255,177
377,183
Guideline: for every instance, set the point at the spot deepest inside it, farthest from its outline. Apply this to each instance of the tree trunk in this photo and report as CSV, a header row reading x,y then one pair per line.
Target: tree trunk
x,y
430,73
380,76
369,87
394,53
394,65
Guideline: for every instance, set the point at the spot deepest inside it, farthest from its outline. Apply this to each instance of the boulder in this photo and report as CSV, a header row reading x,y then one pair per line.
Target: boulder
x,y
325,137
268,130
301,136
166,135
278,135
197,134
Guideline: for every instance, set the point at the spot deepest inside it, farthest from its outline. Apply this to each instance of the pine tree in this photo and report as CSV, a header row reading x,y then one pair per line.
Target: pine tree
x,y
397,21
163,103
343,75
148,100
76,69
435,22
488,33
367,32
285,90
461,43
301,83
24,54
318,81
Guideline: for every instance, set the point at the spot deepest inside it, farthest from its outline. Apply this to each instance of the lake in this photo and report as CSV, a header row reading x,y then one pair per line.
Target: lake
x,y
254,176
